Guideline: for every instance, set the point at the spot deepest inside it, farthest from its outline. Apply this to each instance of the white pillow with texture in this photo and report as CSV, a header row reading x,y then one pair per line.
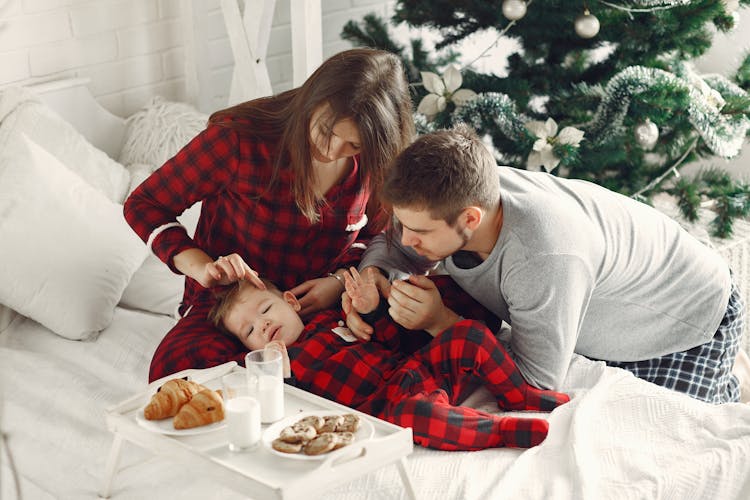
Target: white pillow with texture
x,y
157,132
67,253
22,112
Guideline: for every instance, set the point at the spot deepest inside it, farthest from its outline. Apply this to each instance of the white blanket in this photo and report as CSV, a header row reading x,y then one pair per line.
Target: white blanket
x,y
619,437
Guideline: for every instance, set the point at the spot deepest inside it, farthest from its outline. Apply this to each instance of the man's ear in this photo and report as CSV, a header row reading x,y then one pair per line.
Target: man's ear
x,y
472,217
291,299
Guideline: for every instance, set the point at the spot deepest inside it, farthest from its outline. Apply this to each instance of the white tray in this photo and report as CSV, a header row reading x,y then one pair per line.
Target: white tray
x,y
259,473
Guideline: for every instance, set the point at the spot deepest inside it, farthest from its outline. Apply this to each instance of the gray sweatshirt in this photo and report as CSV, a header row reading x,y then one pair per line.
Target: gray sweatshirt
x,y
579,268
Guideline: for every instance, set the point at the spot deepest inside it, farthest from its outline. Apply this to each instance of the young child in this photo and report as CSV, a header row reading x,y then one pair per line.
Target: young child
x,y
418,390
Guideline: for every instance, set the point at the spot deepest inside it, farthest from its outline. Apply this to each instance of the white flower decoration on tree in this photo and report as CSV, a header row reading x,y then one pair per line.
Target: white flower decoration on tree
x,y
712,96
542,153
443,90
731,6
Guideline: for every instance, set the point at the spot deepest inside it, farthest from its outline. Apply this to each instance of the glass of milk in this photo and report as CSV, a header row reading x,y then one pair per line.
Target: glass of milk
x,y
265,377
241,412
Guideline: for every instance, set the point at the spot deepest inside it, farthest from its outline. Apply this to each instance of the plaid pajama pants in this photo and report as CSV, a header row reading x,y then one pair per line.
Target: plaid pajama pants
x,y
705,371
424,393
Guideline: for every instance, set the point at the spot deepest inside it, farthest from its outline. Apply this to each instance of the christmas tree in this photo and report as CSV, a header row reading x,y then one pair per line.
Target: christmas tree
x,y
600,90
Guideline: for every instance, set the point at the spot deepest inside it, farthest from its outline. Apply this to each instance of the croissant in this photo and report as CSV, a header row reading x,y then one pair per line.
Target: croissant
x,y
204,408
170,398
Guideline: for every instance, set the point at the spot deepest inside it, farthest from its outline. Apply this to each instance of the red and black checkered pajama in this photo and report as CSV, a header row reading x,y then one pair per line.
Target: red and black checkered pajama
x,y
422,390
383,378
424,393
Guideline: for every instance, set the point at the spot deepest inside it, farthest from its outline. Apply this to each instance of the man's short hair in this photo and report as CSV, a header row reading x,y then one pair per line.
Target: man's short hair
x,y
444,172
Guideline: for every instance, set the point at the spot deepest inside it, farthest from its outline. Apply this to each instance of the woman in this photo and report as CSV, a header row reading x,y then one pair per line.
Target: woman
x,y
287,182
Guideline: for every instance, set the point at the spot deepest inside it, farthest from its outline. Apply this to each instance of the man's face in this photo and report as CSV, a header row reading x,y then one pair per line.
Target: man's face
x,y
431,238
259,316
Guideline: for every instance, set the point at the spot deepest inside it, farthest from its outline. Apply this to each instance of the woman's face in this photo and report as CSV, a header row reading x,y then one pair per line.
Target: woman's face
x,y
330,143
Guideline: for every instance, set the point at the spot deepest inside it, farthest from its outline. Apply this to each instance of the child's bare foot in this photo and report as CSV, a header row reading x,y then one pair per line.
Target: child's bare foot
x,y
362,290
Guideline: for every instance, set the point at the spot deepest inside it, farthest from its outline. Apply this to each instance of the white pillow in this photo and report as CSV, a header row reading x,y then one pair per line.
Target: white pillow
x,y
22,112
157,132
67,253
154,287
7,315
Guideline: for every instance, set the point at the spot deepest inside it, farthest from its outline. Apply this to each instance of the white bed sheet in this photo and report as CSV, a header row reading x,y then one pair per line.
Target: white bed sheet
x,y
619,437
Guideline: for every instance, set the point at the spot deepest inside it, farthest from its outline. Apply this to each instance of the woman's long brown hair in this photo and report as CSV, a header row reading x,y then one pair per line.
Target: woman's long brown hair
x,y
366,86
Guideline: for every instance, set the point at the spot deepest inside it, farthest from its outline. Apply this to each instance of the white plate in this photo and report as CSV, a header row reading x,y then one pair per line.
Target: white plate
x,y
365,431
165,426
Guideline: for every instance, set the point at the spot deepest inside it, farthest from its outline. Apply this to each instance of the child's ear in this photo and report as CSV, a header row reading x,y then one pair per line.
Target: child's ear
x,y
291,299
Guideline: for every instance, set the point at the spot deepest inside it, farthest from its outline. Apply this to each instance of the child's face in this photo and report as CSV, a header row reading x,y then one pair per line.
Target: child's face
x,y
259,316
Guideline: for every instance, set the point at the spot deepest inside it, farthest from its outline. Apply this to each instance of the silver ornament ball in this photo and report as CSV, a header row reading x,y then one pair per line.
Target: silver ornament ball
x,y
646,134
513,10
587,25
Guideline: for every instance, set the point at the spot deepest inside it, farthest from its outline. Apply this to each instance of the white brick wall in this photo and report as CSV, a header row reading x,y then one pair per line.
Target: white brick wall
x,y
135,49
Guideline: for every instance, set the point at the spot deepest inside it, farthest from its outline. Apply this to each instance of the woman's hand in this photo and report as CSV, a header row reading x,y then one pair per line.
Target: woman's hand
x,y
317,294
210,273
230,268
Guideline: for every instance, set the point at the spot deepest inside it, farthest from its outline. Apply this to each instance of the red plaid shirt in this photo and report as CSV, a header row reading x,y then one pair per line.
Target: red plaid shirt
x,y
348,372
387,379
352,372
421,390
230,175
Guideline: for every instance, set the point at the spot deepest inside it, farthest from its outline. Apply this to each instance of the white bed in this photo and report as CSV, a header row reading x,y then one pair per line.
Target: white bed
x,y
619,437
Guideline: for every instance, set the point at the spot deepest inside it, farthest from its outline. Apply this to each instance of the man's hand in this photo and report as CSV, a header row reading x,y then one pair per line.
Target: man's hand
x,y
416,304
354,321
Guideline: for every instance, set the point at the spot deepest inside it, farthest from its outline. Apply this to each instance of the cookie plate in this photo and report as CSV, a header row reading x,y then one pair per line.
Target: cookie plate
x,y
165,426
366,431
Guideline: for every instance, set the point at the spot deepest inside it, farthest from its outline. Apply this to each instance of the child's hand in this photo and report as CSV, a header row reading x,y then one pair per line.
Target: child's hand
x,y
362,290
277,345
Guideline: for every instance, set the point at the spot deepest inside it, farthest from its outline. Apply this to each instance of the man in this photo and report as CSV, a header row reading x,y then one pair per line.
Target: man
x,y
572,267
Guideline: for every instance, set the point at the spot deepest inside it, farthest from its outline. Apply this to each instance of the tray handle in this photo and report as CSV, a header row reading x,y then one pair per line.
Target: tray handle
x,y
353,452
